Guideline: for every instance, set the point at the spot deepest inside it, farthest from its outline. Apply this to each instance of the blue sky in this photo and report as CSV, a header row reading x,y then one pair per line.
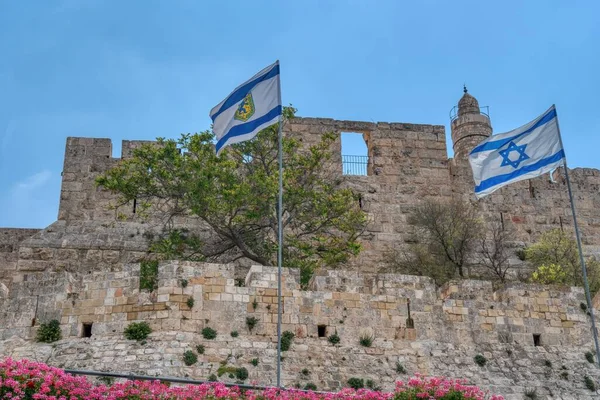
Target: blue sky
x,y
142,69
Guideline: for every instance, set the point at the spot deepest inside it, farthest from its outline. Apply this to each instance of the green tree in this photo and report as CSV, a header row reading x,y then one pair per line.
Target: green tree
x,y
448,232
556,260
234,196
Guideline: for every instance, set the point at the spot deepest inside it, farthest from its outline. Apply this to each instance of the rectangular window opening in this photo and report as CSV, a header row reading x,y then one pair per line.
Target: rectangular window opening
x,y
355,154
322,330
86,330
537,339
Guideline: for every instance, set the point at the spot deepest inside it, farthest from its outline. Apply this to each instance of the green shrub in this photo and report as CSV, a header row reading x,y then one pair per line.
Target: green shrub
x,y
531,394
557,261
254,361
356,383
589,356
234,334
225,369
137,331
366,339
254,304
189,358
590,384
334,339
305,371
209,333
310,386
200,349
480,360
371,385
184,283
241,373
190,302
251,322
212,378
286,340
149,275
400,368
49,332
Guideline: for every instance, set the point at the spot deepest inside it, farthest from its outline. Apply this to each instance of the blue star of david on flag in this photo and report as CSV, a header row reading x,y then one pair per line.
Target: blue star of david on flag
x,y
501,159
506,155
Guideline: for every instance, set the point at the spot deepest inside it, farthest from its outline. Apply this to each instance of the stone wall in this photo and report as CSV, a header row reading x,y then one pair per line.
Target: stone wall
x,y
84,269
407,164
10,240
451,325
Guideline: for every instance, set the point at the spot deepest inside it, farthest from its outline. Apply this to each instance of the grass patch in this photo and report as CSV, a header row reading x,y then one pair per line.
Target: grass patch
x,y
366,339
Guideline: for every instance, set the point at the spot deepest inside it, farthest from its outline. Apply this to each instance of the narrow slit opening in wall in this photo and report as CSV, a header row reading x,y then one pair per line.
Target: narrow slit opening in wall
x,y
86,330
537,339
322,330
355,154
134,205
561,223
531,190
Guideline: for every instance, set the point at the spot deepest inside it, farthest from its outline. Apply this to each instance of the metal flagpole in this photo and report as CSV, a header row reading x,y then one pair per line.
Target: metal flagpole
x,y
581,259
280,236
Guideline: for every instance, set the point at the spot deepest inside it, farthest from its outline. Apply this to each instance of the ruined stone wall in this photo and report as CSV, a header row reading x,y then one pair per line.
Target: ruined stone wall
x,y
407,164
451,326
84,268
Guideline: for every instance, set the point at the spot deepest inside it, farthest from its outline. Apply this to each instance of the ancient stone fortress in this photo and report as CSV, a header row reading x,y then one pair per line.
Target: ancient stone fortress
x,y
84,270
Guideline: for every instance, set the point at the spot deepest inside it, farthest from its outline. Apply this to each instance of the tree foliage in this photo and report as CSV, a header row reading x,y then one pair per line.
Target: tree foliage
x,y
493,251
449,231
233,197
450,237
556,260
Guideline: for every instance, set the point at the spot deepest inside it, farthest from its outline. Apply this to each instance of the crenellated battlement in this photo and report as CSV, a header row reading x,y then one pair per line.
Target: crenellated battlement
x,y
84,269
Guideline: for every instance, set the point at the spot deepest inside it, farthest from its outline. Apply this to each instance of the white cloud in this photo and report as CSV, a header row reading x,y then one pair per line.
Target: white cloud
x,y
26,204
30,184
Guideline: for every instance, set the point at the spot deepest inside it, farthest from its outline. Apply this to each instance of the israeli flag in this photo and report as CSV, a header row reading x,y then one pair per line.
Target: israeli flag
x,y
523,153
251,107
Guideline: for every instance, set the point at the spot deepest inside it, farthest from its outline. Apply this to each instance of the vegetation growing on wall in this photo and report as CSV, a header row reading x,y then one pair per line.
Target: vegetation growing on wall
x,y
235,194
49,332
556,259
137,331
149,275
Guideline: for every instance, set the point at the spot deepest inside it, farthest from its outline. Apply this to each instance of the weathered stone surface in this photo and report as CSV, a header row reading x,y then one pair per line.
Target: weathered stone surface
x,y
452,324
84,268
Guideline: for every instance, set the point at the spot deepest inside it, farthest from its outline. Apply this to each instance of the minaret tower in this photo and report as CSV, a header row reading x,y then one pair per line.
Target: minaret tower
x,y
470,126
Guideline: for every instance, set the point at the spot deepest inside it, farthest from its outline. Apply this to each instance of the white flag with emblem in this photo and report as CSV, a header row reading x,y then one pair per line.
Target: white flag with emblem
x,y
251,107
524,153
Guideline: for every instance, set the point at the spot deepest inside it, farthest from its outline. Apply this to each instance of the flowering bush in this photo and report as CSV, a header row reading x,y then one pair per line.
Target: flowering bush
x,y
24,380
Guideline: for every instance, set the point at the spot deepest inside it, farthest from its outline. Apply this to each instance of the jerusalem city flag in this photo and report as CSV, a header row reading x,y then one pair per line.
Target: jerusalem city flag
x,y
251,107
